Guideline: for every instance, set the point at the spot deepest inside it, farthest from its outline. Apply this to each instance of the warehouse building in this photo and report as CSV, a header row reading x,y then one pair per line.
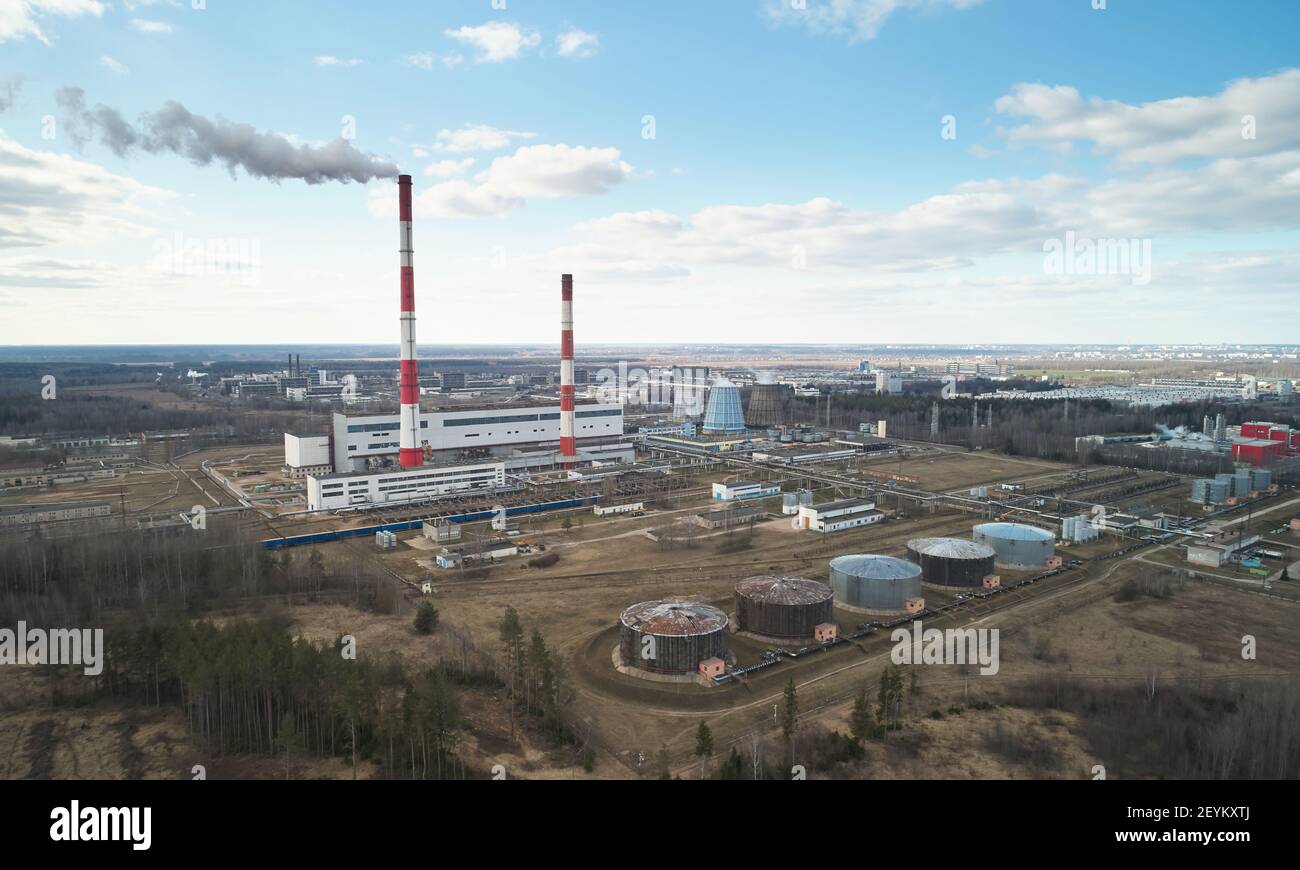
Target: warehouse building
x,y
835,516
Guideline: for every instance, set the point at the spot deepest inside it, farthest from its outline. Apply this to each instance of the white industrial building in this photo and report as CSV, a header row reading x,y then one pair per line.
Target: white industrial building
x,y
743,489
496,430
306,455
835,516
395,486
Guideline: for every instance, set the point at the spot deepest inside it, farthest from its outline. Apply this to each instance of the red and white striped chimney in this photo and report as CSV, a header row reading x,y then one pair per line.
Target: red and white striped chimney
x,y
568,443
410,455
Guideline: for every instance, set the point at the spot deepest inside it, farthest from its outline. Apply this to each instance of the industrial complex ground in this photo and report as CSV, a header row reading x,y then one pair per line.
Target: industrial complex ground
x,y
1074,630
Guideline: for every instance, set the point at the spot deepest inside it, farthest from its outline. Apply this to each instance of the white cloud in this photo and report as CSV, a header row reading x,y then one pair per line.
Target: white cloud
x,y
331,60
1162,131
451,61
20,19
577,43
115,65
854,20
448,168
52,199
144,25
477,137
421,59
496,41
532,172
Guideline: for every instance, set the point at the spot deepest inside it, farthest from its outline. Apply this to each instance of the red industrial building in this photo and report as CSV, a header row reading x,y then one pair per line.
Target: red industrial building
x,y
1262,442
1258,451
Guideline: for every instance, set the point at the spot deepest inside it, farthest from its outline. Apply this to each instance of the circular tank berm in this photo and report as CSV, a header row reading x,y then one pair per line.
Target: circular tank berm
x,y
875,584
671,636
1017,545
782,607
951,563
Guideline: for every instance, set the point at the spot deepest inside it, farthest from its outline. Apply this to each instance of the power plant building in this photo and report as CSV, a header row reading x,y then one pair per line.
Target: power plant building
x,y
672,636
882,585
783,607
357,438
951,563
1017,545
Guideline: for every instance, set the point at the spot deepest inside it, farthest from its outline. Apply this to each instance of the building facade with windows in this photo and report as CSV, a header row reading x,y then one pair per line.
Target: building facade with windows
x,y
496,430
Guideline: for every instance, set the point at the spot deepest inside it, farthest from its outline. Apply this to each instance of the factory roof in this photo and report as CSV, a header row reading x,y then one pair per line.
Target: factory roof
x,y
674,617
842,504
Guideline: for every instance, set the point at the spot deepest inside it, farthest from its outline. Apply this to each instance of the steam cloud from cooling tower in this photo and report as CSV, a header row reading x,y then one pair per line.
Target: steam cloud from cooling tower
x,y
176,130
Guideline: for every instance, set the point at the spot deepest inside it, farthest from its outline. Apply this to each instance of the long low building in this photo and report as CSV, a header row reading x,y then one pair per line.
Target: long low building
x,y
836,516
354,489
27,514
494,429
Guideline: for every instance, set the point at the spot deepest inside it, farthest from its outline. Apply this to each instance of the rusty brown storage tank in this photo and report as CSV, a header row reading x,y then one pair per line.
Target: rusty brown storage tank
x,y
671,636
784,607
951,562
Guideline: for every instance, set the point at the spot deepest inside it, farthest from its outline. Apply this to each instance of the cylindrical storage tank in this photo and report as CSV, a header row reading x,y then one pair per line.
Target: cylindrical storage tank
x,y
671,636
952,563
1016,545
790,503
876,584
782,607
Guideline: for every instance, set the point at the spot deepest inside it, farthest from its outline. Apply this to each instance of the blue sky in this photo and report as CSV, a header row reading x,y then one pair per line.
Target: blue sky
x,y
798,186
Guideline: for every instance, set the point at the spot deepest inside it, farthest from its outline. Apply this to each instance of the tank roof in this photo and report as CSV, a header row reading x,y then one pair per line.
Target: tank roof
x,y
879,567
674,617
775,589
951,548
1015,532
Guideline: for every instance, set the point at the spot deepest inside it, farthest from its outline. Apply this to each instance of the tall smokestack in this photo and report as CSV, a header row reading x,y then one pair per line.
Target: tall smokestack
x,y
410,455
568,443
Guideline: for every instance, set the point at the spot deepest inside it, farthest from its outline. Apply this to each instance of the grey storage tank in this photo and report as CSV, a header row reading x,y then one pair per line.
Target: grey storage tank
x,y
875,584
1016,545
951,563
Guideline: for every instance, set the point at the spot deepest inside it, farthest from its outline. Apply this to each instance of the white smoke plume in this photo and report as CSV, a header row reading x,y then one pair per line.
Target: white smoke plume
x,y
176,130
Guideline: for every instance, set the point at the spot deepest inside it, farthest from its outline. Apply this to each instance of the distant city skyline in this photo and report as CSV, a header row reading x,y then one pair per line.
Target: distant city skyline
x,y
864,172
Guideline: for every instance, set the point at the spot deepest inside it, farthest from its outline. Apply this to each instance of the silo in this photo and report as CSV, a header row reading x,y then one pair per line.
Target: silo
x,y
951,563
790,503
1016,545
671,636
875,584
782,607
